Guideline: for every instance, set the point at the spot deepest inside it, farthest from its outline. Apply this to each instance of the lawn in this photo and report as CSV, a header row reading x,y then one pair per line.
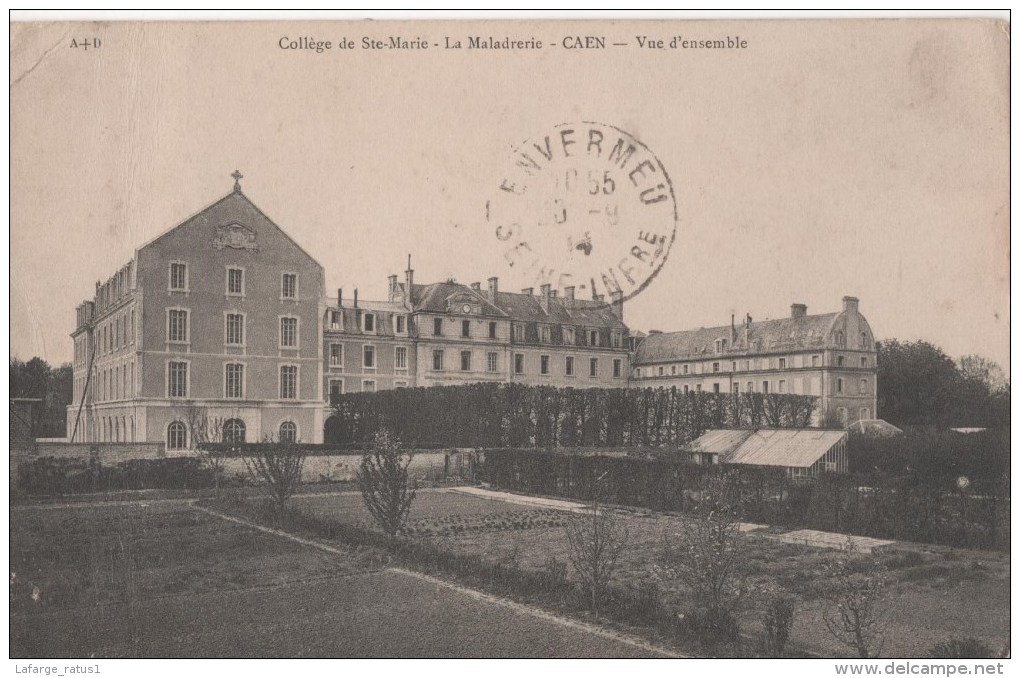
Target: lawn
x,y
164,580
934,593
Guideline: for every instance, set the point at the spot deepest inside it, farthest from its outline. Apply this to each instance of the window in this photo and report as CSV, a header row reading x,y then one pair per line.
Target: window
x,y
437,360
400,384
465,361
839,385
437,327
864,361
764,387
336,355
840,360
864,386
660,370
686,369
733,366
687,389
336,320
840,339
400,358
841,413
543,364
336,389
235,329
569,366
368,357
288,382
518,332
234,381
178,276
401,327
715,367
518,363
672,369
233,431
593,337
593,367
865,413
288,332
617,368
865,342
288,432
715,387
289,287
617,339
782,363
697,387
368,385
491,362
568,336
235,282
814,361
782,386
176,436
368,322
750,387
492,330
736,388
177,325
177,379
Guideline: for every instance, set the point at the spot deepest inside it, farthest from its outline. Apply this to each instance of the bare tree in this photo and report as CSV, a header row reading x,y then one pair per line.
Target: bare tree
x,y
203,430
597,538
383,481
855,614
276,467
709,557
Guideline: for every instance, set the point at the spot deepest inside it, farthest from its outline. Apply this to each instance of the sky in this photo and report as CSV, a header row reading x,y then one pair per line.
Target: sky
x,y
864,158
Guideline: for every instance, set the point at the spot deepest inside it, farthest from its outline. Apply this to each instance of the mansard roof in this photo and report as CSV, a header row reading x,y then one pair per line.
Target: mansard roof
x,y
519,307
768,336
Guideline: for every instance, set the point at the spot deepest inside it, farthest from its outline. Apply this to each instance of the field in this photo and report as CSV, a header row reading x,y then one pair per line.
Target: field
x,y
158,579
935,593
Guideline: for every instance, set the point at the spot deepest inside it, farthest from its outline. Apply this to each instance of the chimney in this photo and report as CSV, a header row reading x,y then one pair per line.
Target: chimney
x,y
599,297
493,289
617,304
340,297
410,276
355,297
476,286
850,304
393,285
799,310
528,290
546,296
568,292
747,330
733,330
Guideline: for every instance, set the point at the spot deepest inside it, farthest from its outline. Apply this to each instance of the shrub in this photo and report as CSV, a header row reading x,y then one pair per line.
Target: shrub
x,y
776,622
383,482
59,475
708,626
276,468
961,648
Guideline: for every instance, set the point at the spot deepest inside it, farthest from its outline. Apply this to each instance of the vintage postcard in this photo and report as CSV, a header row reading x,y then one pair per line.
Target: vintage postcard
x,y
506,339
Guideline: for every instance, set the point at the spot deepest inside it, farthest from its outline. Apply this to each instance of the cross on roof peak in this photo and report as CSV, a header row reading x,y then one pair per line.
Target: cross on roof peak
x,y
237,180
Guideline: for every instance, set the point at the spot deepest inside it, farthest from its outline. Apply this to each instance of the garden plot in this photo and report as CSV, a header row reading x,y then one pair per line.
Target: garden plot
x,y
933,592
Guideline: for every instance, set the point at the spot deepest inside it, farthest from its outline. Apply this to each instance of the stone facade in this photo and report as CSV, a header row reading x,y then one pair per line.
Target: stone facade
x,y
221,327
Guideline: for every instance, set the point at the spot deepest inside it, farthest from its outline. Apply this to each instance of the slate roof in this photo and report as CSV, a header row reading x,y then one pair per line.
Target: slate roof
x,y
783,334
769,447
521,307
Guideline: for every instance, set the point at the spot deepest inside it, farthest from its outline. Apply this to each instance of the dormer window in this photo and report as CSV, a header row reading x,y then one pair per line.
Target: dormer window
x,y
546,334
617,339
568,336
336,320
368,322
400,324
593,337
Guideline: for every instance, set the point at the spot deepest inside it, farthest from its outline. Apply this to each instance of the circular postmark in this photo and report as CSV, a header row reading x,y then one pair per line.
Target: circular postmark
x,y
585,208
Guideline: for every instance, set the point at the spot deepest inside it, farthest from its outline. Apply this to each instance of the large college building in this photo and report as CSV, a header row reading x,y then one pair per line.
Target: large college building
x,y
225,319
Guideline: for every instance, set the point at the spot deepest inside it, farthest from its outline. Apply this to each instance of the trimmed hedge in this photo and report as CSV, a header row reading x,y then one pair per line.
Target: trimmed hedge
x,y
61,475
520,416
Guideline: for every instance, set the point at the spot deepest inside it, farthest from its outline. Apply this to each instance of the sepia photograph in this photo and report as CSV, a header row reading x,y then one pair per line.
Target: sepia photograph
x,y
506,338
